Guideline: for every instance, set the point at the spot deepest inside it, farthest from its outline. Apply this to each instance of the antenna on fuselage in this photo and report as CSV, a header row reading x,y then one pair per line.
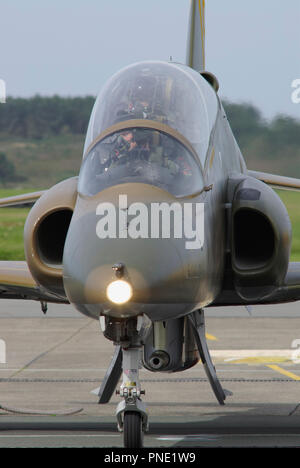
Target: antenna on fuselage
x,y
195,57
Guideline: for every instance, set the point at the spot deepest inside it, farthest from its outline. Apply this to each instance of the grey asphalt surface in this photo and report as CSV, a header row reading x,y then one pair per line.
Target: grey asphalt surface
x,y
54,362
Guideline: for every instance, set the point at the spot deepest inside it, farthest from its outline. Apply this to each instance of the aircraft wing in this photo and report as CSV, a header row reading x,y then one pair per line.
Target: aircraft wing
x,y
292,280
16,282
276,181
289,291
23,199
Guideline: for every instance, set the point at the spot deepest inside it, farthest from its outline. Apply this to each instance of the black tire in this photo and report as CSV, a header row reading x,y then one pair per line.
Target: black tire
x,y
133,432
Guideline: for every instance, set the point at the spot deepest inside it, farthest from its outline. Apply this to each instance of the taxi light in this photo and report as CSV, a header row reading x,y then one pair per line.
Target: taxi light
x,y
119,292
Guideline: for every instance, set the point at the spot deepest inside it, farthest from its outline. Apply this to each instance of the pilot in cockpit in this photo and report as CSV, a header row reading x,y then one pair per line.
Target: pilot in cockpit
x,y
140,97
143,101
128,147
138,147
140,155
136,151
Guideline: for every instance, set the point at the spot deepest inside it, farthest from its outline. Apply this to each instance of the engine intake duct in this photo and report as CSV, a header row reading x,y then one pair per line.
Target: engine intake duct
x,y
45,233
260,239
51,235
254,239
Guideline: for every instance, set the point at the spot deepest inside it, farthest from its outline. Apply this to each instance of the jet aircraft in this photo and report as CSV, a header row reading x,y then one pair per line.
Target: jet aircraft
x,y
163,221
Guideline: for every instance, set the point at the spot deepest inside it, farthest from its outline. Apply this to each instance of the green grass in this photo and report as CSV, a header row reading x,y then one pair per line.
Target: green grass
x,y
12,222
12,225
292,203
44,162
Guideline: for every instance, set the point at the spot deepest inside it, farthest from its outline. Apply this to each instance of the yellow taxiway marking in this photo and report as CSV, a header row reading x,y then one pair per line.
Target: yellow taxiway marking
x,y
267,357
253,356
284,372
211,337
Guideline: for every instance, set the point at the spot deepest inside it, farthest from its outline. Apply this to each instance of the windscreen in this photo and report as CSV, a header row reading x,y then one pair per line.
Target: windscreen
x,y
140,155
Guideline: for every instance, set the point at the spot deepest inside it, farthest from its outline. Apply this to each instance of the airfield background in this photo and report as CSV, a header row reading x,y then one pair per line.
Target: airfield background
x,y
41,142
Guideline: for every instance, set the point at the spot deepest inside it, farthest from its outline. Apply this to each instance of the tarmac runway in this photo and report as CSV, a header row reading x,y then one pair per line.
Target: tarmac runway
x,y
55,363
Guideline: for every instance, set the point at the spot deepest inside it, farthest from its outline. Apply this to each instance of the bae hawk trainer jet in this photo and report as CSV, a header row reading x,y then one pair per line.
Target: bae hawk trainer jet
x,y
163,221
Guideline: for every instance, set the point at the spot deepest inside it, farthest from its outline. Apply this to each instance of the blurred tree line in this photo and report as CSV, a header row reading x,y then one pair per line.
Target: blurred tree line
x,y
259,138
273,145
7,169
40,117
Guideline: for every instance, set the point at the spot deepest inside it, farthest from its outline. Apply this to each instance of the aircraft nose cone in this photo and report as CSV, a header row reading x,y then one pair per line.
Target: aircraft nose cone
x,y
150,267
154,267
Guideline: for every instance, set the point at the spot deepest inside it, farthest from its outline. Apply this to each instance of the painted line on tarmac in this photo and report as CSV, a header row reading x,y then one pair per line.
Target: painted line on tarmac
x,y
253,356
284,372
268,357
211,337
245,353
189,437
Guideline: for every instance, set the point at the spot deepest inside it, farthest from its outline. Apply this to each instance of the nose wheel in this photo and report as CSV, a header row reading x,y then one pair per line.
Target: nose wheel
x,y
133,430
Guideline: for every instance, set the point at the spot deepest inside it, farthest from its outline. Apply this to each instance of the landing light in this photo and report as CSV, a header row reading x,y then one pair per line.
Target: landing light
x,y
119,292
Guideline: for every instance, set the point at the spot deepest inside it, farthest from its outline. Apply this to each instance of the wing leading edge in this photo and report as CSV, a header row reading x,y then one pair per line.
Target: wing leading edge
x,y
276,181
23,199
16,282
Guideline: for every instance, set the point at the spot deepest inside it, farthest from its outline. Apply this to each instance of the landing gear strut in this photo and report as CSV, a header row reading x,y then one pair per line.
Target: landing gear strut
x,y
112,377
197,321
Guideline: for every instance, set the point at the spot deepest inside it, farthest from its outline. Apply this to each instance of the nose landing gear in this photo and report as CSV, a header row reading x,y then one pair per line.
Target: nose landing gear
x,y
132,412
129,337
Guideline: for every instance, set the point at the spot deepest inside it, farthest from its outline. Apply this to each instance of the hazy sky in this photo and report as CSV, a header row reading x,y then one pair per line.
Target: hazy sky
x,y
70,47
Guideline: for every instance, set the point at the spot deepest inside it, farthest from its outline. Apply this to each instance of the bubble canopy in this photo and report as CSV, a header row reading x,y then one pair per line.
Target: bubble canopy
x,y
169,93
